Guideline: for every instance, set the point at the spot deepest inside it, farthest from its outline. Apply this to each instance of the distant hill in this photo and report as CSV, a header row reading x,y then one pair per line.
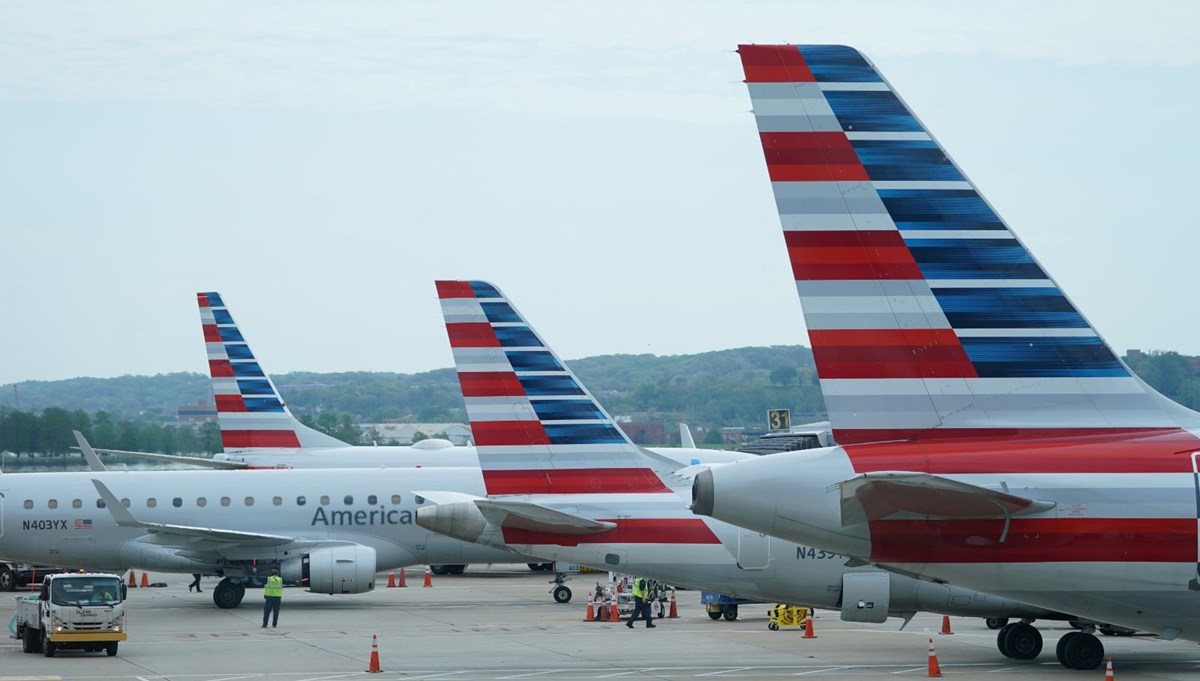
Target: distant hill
x,y
724,387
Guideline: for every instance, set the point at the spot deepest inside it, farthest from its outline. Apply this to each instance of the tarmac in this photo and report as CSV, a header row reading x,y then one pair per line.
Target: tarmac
x,y
500,622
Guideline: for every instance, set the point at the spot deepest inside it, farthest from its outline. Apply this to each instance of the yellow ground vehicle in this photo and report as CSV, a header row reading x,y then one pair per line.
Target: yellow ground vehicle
x,y
84,611
784,615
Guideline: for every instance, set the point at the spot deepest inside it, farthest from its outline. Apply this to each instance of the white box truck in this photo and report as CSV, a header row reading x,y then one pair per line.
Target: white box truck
x,y
75,611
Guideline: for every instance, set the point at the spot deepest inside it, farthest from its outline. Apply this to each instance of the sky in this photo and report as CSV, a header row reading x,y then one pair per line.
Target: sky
x,y
320,164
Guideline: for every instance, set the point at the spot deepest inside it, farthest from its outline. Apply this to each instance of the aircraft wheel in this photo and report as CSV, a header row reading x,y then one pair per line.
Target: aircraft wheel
x,y
730,613
562,594
996,622
228,594
1078,650
48,646
1023,641
714,614
1001,639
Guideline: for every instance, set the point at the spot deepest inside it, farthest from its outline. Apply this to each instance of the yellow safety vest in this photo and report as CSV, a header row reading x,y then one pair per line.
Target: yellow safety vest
x,y
639,587
274,586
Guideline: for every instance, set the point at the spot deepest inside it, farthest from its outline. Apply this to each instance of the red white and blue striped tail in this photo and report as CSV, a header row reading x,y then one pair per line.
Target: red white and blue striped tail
x,y
536,427
928,318
250,411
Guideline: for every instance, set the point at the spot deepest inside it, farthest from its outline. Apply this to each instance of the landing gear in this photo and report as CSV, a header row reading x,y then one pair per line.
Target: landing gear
x,y
996,622
541,567
562,594
1079,650
1019,641
228,594
447,569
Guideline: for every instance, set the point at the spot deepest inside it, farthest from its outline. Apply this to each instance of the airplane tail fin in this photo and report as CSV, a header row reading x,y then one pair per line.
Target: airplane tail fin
x,y
536,427
250,411
928,318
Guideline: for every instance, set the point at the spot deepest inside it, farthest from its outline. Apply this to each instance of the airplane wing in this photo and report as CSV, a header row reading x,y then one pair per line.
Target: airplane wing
x,y
526,515
184,535
176,458
874,496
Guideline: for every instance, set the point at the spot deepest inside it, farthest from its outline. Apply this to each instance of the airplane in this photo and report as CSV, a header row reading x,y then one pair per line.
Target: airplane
x,y
565,483
331,530
989,437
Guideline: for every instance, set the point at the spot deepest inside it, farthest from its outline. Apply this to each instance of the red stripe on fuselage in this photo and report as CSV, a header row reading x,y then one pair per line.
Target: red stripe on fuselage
x,y
1053,451
236,439
627,531
890,353
1035,540
472,335
490,384
572,481
811,157
454,289
850,255
774,64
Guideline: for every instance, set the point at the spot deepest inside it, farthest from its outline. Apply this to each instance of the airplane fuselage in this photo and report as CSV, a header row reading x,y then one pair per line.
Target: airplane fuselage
x,y
57,517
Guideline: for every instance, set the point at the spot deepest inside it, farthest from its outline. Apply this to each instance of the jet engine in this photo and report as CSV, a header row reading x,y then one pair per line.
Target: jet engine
x,y
346,569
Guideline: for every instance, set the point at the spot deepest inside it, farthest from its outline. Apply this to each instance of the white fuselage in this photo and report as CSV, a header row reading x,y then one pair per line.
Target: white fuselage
x,y
1117,547
55,518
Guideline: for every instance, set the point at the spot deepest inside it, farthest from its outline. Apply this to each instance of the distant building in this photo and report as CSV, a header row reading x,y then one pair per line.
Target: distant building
x,y
196,413
733,434
645,432
403,433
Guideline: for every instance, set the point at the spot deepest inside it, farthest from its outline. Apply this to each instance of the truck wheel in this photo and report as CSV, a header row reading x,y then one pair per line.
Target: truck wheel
x,y
48,647
730,613
111,649
8,581
27,643
714,614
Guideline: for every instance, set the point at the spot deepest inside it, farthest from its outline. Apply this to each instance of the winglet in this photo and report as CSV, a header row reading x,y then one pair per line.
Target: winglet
x,y
120,514
89,454
685,437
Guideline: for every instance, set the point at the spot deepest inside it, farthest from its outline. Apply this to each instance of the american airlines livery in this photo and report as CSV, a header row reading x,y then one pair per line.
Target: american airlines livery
x,y
989,437
564,483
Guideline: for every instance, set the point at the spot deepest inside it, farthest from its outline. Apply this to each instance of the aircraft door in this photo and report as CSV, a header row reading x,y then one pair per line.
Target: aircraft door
x,y
754,550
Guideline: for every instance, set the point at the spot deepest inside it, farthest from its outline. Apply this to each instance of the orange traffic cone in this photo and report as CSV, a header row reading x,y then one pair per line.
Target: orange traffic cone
x,y
374,667
391,580
808,627
428,577
133,579
674,613
1108,673
591,613
145,581
401,583
615,615
935,670
946,625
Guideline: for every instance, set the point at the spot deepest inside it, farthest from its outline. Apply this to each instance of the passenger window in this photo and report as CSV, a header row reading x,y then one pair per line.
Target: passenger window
x,y
395,499
249,501
201,502
177,502
29,504
52,504
349,500
278,501
99,503
372,500
151,502
324,500
300,500
224,501
77,503
125,502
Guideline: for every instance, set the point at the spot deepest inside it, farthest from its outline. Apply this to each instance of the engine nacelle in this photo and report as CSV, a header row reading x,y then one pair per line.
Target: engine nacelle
x,y
866,596
334,570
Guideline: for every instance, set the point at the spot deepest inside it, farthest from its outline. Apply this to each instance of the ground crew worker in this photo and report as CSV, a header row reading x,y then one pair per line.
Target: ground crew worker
x,y
272,597
641,603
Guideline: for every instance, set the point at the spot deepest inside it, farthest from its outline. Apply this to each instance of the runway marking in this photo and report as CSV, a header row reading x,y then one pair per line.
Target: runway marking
x,y
524,676
30,678
725,671
823,670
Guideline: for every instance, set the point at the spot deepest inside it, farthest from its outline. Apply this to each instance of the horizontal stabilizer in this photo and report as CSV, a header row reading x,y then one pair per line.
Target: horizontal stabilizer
x,y
525,515
875,496
172,458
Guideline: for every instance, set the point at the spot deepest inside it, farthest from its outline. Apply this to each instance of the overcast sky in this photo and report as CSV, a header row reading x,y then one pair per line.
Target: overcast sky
x,y
321,163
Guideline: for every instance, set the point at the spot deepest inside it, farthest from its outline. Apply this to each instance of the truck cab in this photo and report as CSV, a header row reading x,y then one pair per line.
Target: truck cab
x,y
73,611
